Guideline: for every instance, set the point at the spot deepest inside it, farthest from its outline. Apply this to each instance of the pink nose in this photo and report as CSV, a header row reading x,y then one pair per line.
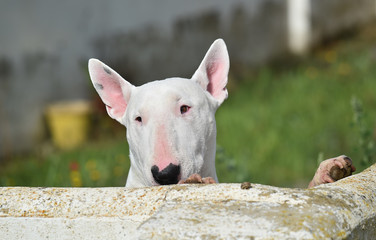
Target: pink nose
x,y
169,175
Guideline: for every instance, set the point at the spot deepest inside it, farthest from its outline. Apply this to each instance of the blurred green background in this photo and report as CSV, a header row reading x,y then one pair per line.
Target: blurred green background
x,y
278,123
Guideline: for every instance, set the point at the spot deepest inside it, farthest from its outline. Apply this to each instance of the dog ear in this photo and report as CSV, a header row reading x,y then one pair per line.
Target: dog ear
x,y
111,87
212,73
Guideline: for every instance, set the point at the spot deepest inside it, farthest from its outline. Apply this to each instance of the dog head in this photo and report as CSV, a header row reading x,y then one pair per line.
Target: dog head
x,y
170,123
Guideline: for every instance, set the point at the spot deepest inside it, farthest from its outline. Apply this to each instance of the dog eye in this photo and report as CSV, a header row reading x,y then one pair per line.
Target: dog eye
x,y
138,119
184,109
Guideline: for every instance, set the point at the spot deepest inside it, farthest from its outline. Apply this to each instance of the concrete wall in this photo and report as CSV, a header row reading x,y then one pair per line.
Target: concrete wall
x,y
45,44
342,210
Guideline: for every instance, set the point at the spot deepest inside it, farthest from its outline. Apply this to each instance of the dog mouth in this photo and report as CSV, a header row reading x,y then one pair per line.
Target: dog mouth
x,y
168,175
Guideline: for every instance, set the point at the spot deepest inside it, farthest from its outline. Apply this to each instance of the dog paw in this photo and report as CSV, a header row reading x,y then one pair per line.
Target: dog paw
x,y
196,178
332,170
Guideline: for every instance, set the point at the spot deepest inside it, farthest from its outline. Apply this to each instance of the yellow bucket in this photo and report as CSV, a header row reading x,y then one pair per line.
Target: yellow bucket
x,y
69,123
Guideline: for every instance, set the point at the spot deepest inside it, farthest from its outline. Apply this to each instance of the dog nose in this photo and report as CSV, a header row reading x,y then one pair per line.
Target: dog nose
x,y
169,175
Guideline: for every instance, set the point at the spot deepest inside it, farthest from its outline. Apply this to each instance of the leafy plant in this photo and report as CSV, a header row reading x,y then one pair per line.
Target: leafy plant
x,y
366,143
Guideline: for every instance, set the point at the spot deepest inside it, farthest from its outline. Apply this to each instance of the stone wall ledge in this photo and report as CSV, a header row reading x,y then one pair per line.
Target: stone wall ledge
x,y
345,209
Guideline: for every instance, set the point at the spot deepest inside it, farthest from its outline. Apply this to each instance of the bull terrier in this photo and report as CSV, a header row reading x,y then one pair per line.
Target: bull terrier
x,y
171,128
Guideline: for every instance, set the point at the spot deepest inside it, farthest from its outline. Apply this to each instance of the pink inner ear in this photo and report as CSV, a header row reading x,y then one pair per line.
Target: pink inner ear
x,y
118,101
112,94
109,87
213,70
217,79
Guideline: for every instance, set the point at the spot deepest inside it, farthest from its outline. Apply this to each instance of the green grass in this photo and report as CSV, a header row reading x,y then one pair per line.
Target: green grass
x,y
96,164
274,127
276,124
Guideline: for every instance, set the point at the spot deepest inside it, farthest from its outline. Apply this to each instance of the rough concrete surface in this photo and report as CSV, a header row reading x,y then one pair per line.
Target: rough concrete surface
x,y
342,210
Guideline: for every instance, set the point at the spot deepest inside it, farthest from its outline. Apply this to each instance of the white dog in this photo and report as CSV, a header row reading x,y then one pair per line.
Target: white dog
x,y
171,127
